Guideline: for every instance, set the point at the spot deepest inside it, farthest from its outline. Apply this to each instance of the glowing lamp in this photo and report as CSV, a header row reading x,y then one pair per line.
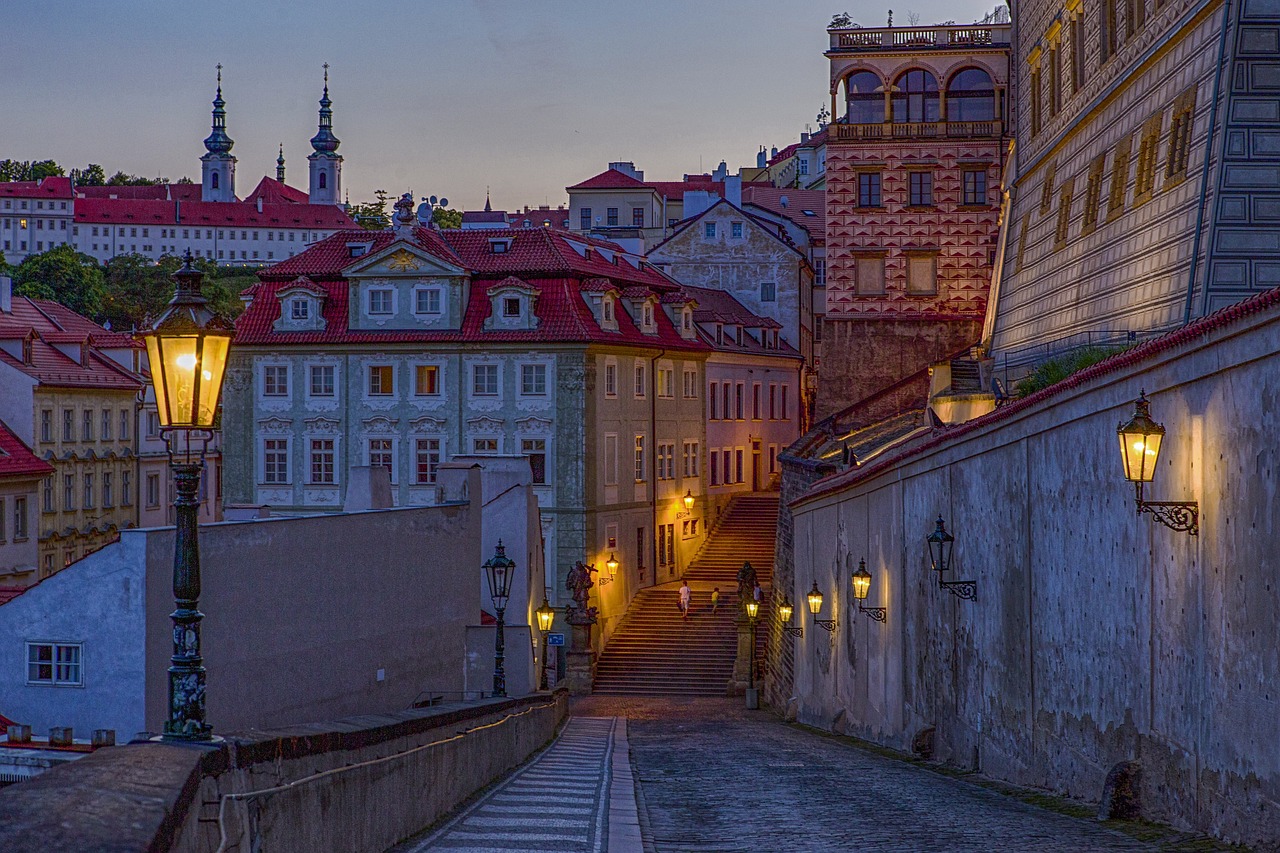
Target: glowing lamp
x,y
815,599
546,615
1140,440
861,581
753,609
688,499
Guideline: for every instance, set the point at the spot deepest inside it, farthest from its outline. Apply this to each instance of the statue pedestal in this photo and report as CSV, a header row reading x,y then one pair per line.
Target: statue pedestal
x,y
742,660
580,671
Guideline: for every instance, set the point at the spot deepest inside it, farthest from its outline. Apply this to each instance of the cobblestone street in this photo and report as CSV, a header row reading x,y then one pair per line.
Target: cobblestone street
x,y
716,777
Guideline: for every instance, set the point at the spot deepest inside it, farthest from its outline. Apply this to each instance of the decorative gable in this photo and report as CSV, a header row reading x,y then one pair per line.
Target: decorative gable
x,y
301,306
512,305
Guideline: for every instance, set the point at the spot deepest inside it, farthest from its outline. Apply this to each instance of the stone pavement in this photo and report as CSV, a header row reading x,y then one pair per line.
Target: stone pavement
x,y
577,795
716,777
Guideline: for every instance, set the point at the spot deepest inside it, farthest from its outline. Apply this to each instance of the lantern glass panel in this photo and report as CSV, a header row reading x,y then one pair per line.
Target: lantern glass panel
x,y
753,608
1140,451
784,611
861,583
187,372
546,615
815,600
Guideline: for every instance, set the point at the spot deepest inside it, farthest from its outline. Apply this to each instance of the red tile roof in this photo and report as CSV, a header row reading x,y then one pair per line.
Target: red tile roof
x,y
17,460
56,186
798,201
153,192
210,213
609,179
484,216
54,323
272,191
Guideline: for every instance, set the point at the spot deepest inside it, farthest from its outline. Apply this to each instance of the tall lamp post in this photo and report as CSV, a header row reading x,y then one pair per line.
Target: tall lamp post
x,y
187,349
546,615
753,698
501,569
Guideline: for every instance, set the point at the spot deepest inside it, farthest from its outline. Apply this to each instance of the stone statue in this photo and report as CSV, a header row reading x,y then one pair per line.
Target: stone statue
x,y
746,583
579,584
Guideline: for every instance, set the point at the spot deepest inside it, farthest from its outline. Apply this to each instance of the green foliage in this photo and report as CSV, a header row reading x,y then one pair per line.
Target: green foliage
x,y
122,179
1057,369
28,170
372,215
92,175
446,218
63,275
137,289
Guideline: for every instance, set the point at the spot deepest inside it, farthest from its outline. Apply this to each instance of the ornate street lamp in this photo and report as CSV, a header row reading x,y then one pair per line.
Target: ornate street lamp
x,y
940,543
688,499
612,565
784,616
546,615
500,569
1140,441
815,607
861,586
187,349
753,612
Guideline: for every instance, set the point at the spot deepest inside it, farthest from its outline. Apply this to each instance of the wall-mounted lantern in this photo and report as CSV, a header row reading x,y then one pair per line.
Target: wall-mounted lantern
x,y
815,607
784,616
612,565
1140,441
940,542
688,499
861,586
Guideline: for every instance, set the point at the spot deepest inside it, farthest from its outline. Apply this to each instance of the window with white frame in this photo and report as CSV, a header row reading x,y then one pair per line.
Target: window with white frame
x,y
275,380
323,468
54,664
484,380
322,380
690,459
533,380
646,314
106,425
713,400
299,308
381,380
690,384
640,462
153,490
735,230
275,463
484,445
511,306
611,380
427,301
381,455
640,383
380,301
709,229
426,460
535,450
426,380
666,460
666,382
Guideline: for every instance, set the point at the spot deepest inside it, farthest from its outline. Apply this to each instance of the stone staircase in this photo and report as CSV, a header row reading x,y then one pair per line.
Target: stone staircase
x,y
654,652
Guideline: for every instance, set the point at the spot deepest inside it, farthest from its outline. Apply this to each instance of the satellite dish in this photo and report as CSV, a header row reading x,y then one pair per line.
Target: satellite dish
x,y
444,202
424,212
432,199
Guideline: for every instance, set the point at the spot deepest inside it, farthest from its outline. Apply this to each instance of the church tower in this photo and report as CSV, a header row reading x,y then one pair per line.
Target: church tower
x,y
280,165
326,162
218,165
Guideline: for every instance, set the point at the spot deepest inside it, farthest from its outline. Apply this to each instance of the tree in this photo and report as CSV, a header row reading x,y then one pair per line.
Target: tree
x,y
372,215
63,275
446,218
137,289
90,176
123,179
27,170
842,21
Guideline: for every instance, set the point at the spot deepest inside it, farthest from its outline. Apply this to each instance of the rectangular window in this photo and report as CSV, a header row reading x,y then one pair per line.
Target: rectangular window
x,y
735,229
381,380
737,466
1035,98
427,302
19,519
299,309
666,460
785,416
1119,177
535,450
2,519
714,457
322,461
690,459
511,306
869,189
55,664
691,384
1093,195
275,462
666,382
640,467
108,499
46,494
869,275
1064,214
46,425
611,216
126,489
920,189
768,291
124,424
1180,137
87,496
662,545
710,230
584,219
380,301
484,445
106,425
86,425
275,381
426,380
739,400
153,490
1135,16
713,400
727,411
68,492
426,460
726,457
639,383
671,544
484,380
533,380
1021,257
610,459
611,380
637,217
641,548
773,458
1106,30
322,380
1144,182
755,401
1055,79
380,454
975,186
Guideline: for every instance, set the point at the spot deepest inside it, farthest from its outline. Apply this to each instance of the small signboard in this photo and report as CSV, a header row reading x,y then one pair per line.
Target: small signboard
x,y
555,639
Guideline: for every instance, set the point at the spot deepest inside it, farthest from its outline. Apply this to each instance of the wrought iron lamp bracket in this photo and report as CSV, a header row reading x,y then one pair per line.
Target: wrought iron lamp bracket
x,y
1182,516
829,624
968,590
794,630
877,613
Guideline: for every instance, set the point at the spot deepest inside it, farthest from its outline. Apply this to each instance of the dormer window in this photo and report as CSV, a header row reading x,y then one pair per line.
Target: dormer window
x,y
686,320
511,306
719,335
356,250
647,316
499,246
299,309
608,309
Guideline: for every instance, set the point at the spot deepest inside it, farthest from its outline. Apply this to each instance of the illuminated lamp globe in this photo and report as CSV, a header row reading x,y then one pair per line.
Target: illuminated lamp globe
x,y
815,599
861,581
1140,440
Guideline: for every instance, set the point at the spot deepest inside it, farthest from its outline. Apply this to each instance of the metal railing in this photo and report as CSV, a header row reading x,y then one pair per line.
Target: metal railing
x,y
916,38
841,132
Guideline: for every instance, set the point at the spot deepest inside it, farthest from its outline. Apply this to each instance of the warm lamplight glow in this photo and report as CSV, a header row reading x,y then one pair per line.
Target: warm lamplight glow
x,y
546,615
815,600
861,581
611,564
185,396
688,499
1140,440
784,611
753,608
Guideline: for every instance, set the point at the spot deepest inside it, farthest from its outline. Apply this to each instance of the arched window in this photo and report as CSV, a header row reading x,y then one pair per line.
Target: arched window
x,y
865,98
324,181
971,96
915,97
213,181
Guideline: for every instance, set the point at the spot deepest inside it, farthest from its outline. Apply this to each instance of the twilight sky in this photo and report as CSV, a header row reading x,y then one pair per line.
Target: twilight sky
x,y
442,97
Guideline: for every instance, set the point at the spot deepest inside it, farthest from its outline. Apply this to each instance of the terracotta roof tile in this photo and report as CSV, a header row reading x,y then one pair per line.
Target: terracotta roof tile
x,y
17,460
209,213
55,186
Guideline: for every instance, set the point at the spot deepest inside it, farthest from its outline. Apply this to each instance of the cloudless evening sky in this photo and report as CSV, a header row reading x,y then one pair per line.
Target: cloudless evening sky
x,y
439,96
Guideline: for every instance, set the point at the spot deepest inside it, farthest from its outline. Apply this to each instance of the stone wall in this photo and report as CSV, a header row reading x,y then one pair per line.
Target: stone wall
x,y
1097,636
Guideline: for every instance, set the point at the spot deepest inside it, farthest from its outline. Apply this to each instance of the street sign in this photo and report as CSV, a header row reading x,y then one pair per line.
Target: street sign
x,y
555,639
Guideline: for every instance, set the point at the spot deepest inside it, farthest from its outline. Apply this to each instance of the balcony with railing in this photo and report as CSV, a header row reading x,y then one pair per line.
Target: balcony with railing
x,y
839,131
907,39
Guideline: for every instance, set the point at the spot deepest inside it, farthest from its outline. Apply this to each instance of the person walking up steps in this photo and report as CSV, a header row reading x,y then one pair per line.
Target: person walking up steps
x,y
715,599
686,595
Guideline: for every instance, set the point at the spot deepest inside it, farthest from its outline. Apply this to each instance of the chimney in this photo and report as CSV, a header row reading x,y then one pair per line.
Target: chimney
x,y
104,737
19,734
804,137
773,152
627,167
733,190
721,172
84,351
60,736
762,159
6,294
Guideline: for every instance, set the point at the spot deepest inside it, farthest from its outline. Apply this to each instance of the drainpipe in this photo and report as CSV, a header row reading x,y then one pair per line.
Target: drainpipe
x,y
1204,177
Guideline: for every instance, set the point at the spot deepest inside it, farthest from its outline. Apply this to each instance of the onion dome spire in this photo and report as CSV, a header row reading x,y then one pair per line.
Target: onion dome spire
x,y
324,141
218,141
280,165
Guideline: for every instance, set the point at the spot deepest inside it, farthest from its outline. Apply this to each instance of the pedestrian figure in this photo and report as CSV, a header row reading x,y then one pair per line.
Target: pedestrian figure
x,y
758,593
686,595
715,599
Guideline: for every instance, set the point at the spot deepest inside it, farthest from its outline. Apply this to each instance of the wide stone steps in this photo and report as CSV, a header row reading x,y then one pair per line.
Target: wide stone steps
x,y
655,651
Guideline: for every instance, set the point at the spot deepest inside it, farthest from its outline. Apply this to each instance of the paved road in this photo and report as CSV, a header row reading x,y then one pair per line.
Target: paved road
x,y
716,777
577,796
